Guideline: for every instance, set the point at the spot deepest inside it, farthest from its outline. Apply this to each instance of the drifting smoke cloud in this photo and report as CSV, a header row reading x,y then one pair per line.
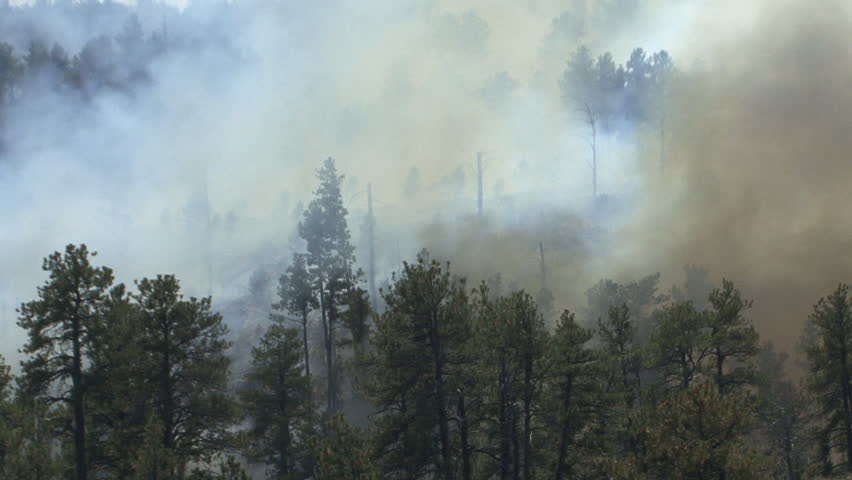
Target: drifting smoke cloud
x,y
757,178
387,86
383,87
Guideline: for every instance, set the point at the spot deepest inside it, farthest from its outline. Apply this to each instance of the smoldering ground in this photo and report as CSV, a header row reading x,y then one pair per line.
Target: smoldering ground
x,y
752,185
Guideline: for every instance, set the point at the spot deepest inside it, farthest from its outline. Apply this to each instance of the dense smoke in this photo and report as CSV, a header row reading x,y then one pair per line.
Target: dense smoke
x,y
202,171
757,176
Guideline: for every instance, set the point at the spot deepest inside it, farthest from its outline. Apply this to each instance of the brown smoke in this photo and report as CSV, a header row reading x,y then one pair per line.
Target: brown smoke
x,y
758,175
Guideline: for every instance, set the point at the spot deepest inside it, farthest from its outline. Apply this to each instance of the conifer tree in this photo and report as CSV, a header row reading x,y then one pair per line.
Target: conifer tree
x,y
573,397
512,343
828,350
151,459
276,399
188,371
296,296
28,446
733,340
680,344
60,324
118,410
623,358
416,363
692,433
344,453
331,257
5,413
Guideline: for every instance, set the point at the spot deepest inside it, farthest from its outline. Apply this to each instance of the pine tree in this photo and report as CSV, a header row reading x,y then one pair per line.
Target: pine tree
x,y
229,469
532,344
151,460
733,339
118,411
828,350
331,257
188,369
783,416
497,380
344,453
511,343
296,296
640,296
416,362
28,446
692,433
60,325
276,399
680,344
623,358
572,396
5,413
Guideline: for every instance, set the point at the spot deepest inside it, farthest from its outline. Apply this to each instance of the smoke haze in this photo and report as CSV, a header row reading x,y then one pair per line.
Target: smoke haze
x,y
754,182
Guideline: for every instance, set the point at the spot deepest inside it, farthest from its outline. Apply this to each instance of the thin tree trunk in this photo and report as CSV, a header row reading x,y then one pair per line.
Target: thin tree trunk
x,y
503,420
440,398
332,353
464,434
516,448
565,434
590,119
80,460
166,394
284,443
720,361
305,343
788,455
528,392
329,394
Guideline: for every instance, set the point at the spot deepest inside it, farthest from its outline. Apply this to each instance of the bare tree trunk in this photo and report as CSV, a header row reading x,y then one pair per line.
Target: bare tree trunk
x,y
593,143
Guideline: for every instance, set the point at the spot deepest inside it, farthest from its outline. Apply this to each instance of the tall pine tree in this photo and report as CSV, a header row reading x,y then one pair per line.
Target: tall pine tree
x,y
185,344
417,361
331,257
60,325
